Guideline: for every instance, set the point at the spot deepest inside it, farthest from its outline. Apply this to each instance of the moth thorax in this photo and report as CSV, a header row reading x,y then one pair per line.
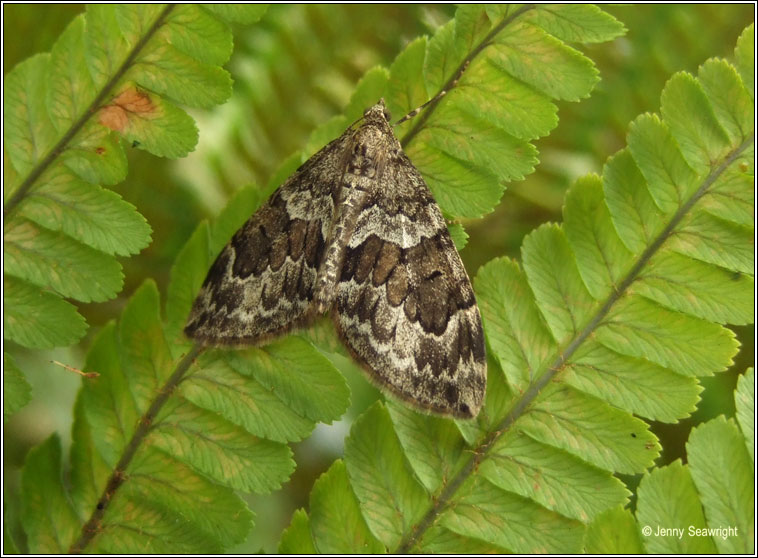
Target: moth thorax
x,y
371,146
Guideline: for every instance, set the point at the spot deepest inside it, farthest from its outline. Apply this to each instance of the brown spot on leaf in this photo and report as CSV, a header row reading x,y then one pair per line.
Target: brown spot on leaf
x,y
131,101
100,150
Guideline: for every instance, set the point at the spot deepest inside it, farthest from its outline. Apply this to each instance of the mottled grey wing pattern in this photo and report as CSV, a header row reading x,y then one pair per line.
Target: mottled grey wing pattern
x,y
404,303
355,231
261,285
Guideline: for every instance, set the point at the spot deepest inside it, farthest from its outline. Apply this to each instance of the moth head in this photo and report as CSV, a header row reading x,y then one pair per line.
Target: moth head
x,y
378,110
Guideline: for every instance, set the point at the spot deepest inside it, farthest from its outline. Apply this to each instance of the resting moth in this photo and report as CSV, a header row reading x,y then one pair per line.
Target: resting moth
x,y
356,232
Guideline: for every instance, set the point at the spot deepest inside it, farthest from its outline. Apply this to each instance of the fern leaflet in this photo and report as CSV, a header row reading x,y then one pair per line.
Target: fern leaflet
x,y
115,72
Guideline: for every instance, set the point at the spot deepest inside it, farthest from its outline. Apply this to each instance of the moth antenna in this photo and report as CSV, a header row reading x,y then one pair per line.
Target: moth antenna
x,y
437,97
415,111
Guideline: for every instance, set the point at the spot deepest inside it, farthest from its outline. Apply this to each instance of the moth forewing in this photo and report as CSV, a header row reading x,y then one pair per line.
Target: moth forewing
x,y
356,231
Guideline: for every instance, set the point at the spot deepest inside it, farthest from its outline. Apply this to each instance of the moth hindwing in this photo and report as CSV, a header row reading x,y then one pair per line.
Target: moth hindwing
x,y
356,232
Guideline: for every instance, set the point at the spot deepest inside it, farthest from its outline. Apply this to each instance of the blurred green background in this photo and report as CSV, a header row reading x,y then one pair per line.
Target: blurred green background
x,y
294,70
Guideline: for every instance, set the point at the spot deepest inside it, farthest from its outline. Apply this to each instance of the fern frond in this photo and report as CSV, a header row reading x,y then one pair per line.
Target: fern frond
x,y
703,507
115,73
162,439
612,314
666,39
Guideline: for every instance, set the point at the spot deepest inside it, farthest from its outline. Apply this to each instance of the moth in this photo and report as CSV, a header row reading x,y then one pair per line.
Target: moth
x,y
356,232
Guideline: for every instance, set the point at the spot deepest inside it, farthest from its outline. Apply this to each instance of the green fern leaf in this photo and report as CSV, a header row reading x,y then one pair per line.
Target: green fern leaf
x,y
296,539
392,499
654,510
33,317
744,58
16,390
591,430
233,391
405,89
433,446
54,260
443,56
459,235
589,490
49,519
440,540
613,532
237,13
108,77
150,122
576,23
708,501
29,134
745,405
87,213
221,450
290,369
509,521
612,313
723,474
635,385
333,503
106,427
